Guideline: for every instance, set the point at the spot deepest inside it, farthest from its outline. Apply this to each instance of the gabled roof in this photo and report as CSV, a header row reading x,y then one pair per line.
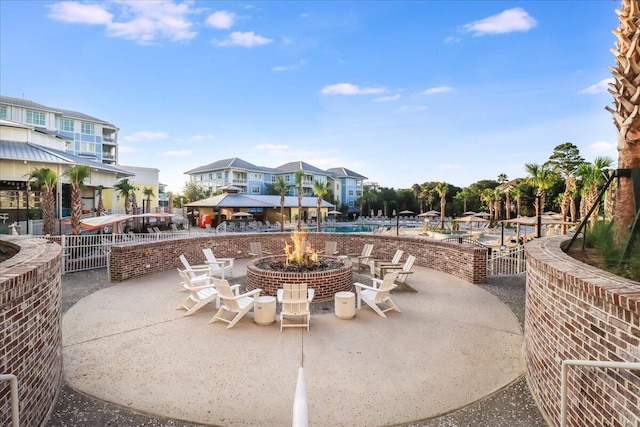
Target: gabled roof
x,y
299,165
25,103
344,173
28,151
233,162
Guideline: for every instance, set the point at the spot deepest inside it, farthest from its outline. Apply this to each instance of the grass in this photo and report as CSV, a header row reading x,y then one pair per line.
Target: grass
x,y
607,254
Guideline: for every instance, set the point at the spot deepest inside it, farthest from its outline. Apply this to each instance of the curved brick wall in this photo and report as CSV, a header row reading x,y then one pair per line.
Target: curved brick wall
x,y
30,335
465,262
575,311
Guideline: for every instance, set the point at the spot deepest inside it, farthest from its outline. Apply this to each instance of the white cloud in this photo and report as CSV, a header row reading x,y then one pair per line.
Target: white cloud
x,y
196,138
452,40
350,89
141,21
176,153
411,108
146,135
292,67
221,19
79,13
244,39
438,89
510,20
271,147
599,87
602,147
128,149
387,98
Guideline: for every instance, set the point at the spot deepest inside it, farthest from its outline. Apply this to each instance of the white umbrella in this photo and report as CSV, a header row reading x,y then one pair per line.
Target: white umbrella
x,y
472,218
334,213
241,214
407,212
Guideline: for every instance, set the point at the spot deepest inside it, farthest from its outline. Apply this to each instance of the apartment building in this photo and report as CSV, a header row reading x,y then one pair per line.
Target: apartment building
x,y
83,135
251,179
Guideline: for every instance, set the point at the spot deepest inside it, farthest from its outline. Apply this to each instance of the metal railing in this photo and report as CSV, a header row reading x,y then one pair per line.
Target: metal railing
x,y
589,363
15,400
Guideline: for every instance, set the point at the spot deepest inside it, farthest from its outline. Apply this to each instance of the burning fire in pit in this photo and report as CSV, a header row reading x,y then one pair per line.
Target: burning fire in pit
x,y
301,253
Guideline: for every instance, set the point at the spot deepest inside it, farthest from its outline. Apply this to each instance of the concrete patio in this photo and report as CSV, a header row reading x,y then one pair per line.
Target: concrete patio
x,y
453,344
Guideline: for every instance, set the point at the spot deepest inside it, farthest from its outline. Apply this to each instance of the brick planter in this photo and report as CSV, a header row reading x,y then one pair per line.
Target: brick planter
x,y
576,311
326,283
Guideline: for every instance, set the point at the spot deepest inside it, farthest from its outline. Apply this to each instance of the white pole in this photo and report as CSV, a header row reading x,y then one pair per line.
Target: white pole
x,y
15,414
300,416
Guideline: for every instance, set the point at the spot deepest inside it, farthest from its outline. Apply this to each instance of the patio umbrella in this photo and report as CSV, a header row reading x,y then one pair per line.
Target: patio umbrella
x,y
472,218
407,212
431,214
483,214
469,213
334,213
241,214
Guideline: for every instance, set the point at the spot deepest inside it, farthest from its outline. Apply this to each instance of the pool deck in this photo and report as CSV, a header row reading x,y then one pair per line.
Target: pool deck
x,y
452,345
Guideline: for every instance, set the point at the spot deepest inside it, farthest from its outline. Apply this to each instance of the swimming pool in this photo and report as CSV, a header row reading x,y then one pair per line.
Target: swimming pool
x,y
348,229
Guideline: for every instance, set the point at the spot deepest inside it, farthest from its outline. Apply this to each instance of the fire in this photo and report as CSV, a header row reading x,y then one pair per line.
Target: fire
x,y
301,252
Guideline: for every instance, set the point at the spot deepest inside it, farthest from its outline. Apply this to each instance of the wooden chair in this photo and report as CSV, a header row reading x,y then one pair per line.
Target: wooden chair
x,y
233,302
295,299
255,250
378,294
376,264
201,292
362,260
218,266
403,272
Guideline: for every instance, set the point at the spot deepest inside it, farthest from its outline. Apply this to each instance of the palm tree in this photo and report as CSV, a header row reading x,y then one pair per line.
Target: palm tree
x,y
502,178
516,193
281,187
320,190
464,195
46,180
565,161
77,175
100,207
299,175
542,177
148,193
593,176
487,197
626,114
125,189
417,189
441,188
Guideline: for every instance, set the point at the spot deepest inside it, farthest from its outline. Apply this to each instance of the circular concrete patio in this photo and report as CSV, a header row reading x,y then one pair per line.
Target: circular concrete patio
x,y
453,344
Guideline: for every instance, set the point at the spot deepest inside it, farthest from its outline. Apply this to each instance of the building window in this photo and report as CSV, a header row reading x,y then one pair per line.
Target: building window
x,y
256,177
86,128
3,112
69,145
286,178
35,118
66,125
255,189
274,178
218,175
87,147
351,192
351,203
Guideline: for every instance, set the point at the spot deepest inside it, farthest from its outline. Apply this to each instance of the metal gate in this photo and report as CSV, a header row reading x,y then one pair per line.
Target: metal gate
x,y
510,261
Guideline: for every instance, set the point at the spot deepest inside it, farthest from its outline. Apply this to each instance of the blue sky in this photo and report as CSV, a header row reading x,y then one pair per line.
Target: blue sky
x,y
402,92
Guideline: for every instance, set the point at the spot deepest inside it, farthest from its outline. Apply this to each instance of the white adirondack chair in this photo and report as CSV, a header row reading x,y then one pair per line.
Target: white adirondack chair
x,y
362,260
295,299
378,294
233,302
201,292
218,266
375,264
255,250
403,272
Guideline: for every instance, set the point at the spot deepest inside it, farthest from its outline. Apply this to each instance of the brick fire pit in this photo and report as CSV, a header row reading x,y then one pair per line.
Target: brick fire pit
x,y
326,283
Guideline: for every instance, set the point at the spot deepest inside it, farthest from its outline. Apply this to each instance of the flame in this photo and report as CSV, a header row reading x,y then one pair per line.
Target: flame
x,y
301,252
